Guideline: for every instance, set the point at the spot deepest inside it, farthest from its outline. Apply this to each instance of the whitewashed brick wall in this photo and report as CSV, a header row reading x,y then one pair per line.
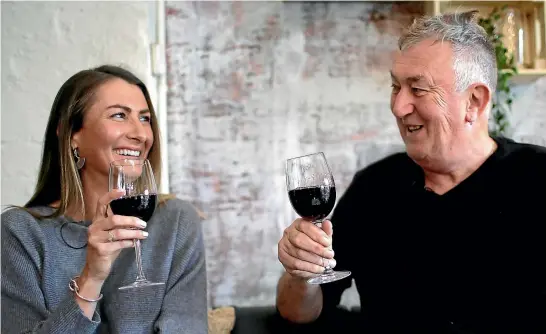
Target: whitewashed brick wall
x,y
254,83
43,44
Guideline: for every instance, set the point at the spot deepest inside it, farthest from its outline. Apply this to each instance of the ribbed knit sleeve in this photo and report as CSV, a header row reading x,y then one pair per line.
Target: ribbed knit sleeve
x,y
184,307
24,307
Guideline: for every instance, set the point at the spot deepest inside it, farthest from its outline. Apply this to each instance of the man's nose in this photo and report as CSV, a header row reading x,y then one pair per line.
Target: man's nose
x,y
402,104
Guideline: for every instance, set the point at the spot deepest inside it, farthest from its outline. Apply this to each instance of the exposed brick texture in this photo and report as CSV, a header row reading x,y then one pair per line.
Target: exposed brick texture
x,y
254,83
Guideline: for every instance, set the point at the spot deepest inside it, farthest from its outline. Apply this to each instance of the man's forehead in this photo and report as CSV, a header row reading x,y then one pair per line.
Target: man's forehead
x,y
421,61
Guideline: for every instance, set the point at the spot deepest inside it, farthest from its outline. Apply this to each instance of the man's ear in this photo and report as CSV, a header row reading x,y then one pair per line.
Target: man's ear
x,y
479,97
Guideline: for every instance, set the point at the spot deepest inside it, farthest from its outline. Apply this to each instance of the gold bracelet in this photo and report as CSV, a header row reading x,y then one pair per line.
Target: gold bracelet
x,y
73,286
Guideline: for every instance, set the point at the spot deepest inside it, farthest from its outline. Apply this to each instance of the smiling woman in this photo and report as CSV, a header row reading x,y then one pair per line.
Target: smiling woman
x,y
90,118
65,251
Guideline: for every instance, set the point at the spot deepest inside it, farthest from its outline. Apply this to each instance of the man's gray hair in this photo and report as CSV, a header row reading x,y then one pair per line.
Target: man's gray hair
x,y
474,55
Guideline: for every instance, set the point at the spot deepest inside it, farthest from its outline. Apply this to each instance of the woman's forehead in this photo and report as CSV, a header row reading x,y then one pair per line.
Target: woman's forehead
x,y
119,91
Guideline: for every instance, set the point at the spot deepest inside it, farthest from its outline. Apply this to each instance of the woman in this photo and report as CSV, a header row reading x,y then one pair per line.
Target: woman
x,y
64,254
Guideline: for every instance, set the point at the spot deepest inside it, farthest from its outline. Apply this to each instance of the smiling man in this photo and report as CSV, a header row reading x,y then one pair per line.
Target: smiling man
x,y
447,237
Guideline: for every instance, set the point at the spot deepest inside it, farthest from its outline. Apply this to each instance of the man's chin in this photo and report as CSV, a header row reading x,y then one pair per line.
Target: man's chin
x,y
415,151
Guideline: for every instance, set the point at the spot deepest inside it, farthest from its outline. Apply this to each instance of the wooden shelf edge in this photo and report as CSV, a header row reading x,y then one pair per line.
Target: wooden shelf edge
x,y
525,76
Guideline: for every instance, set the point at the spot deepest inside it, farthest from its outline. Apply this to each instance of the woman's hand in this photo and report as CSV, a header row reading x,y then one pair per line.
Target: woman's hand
x,y
107,236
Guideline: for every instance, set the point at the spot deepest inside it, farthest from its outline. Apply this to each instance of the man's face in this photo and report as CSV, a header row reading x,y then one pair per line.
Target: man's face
x,y
429,112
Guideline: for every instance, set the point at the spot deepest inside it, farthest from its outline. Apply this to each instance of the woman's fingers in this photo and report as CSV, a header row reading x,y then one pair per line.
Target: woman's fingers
x,y
111,247
117,222
103,202
122,234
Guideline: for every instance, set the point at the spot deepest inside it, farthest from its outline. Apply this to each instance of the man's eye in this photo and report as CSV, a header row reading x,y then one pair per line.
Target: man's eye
x,y
417,90
395,88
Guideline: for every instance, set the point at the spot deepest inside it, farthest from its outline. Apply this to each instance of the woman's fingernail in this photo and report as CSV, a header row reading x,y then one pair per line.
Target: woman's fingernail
x,y
141,222
144,233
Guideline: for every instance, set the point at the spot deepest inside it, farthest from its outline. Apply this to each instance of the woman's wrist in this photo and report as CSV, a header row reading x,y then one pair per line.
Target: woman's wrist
x,y
89,287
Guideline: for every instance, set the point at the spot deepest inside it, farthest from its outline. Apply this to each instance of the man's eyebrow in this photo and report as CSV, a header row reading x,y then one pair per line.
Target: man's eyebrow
x,y
413,78
127,109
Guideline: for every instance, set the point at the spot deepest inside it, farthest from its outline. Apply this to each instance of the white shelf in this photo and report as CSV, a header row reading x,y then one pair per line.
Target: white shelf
x,y
535,41
526,76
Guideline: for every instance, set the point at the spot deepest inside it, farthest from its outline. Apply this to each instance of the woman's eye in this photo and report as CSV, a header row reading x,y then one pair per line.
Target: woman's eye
x,y
119,115
146,119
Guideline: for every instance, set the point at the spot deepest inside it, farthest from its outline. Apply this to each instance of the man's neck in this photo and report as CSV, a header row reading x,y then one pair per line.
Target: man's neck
x,y
442,182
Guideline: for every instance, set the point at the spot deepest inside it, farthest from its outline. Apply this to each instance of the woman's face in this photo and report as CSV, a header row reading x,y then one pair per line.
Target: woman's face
x,y
116,126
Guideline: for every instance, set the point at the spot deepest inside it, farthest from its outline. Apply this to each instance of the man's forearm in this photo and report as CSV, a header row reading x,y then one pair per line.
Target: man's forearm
x,y
298,301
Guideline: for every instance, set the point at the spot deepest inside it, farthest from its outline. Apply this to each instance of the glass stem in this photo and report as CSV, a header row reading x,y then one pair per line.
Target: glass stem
x,y
327,269
140,276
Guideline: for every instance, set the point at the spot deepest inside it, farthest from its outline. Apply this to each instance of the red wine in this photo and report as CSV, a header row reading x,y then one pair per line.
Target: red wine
x,y
141,206
313,203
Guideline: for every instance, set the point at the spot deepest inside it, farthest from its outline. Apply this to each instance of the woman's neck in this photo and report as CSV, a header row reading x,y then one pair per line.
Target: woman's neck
x,y
94,186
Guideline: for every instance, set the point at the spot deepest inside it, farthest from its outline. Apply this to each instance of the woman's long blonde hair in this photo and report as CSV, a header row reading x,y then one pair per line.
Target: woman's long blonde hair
x,y
59,179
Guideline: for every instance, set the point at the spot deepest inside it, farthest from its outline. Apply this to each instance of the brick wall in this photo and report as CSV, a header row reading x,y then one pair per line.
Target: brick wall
x,y
254,83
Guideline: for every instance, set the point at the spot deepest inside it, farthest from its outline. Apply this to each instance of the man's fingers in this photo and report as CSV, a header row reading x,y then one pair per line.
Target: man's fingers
x,y
293,264
328,228
300,273
302,241
314,232
307,274
304,255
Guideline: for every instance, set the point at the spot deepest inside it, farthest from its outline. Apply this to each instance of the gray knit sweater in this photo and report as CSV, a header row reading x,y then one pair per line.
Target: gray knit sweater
x,y
39,257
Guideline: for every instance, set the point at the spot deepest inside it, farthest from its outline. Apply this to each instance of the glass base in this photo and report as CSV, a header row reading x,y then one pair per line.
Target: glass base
x,y
139,284
329,277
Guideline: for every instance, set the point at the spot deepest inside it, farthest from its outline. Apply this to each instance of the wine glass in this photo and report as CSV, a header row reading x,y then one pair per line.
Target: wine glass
x,y
136,178
312,192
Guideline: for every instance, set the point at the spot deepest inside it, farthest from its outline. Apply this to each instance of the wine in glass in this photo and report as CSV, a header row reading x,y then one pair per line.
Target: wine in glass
x,y
312,192
136,178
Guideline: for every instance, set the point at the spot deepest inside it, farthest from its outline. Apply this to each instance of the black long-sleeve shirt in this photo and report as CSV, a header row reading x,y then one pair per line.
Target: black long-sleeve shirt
x,y
470,261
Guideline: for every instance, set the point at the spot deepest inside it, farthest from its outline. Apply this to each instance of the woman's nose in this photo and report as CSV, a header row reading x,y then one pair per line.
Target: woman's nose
x,y
138,131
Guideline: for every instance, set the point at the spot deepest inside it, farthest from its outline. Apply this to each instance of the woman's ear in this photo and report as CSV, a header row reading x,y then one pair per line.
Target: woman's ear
x,y
75,141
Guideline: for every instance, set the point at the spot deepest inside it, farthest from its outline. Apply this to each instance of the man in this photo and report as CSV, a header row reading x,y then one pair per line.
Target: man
x,y
449,236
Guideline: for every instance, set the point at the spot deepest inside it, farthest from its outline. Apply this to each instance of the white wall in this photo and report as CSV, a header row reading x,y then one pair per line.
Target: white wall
x,y
43,44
